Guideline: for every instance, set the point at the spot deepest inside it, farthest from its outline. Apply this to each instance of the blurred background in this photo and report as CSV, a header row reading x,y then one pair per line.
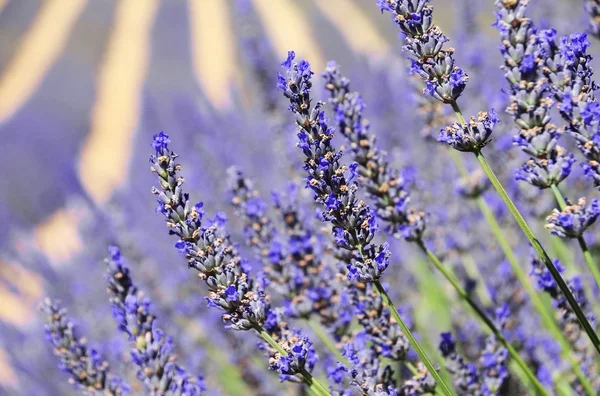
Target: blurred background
x,y
84,84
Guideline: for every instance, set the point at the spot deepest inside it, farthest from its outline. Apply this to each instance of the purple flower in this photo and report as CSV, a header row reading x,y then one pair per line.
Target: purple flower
x,y
574,219
160,141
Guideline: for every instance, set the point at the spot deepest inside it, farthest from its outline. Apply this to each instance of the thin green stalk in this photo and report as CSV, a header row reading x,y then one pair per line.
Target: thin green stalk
x,y
537,302
325,339
483,316
562,204
313,385
537,246
413,342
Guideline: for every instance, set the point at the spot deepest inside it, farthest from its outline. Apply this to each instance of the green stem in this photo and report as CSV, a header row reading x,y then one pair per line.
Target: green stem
x,y
562,204
483,316
537,302
413,342
313,385
325,339
537,246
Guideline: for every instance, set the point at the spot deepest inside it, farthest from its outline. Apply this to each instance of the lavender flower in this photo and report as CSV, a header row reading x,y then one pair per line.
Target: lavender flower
x,y
472,136
574,219
88,371
294,259
353,220
152,349
568,68
466,375
425,41
529,104
209,251
383,183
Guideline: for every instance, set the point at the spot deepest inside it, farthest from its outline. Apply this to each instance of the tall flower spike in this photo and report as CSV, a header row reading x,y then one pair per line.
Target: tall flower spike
x,y
88,371
383,183
353,220
152,349
425,42
567,65
529,104
436,66
209,250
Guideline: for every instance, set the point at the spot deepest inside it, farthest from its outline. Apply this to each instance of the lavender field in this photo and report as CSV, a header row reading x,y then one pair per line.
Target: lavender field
x,y
314,197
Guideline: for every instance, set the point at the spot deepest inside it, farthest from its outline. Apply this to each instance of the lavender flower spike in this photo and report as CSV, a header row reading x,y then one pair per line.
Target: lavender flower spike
x,y
152,350
353,220
435,65
209,251
425,41
568,67
88,371
529,105
574,219
382,182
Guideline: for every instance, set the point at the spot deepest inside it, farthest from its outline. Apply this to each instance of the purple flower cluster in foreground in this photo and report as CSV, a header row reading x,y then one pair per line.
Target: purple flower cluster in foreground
x,y
345,231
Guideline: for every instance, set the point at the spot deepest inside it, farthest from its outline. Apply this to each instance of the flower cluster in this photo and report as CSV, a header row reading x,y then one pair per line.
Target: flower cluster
x,y
86,368
152,350
386,336
293,257
366,369
529,104
472,136
574,219
383,183
425,42
568,69
300,354
209,251
353,221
